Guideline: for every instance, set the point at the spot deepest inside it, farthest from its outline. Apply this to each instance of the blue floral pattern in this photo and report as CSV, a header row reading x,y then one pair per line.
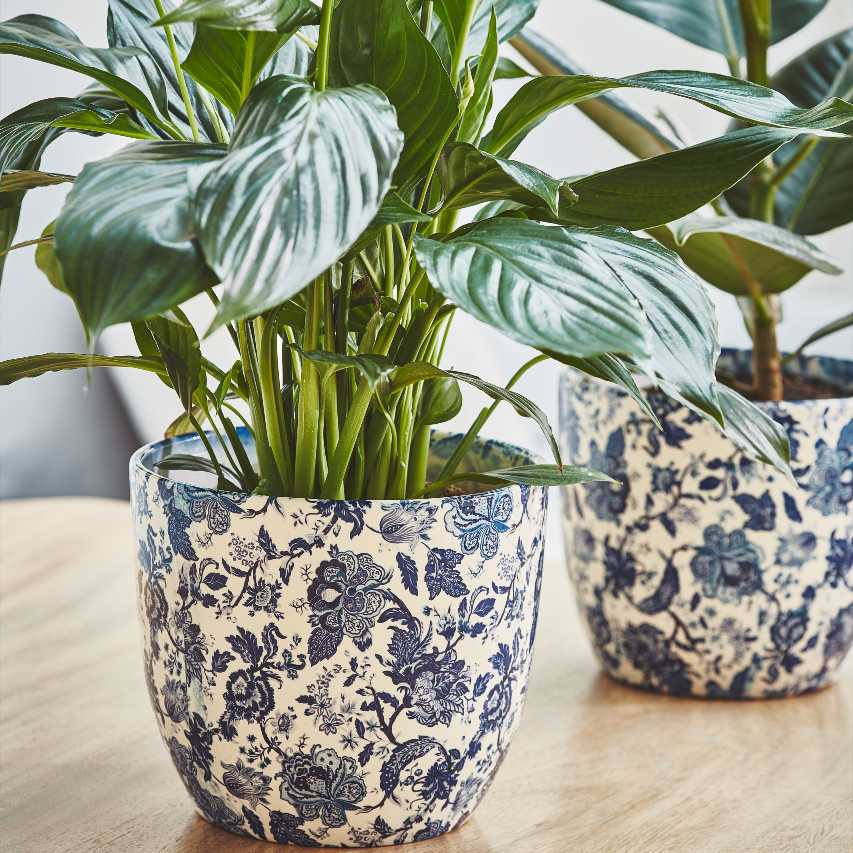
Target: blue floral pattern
x,y
343,673
700,572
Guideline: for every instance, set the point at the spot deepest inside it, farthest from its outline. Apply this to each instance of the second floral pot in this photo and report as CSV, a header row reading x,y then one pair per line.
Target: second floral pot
x,y
345,673
699,571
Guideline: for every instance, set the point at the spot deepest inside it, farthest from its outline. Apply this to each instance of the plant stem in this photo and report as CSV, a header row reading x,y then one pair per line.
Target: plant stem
x,y
732,53
468,439
248,62
459,48
271,399
321,76
179,72
780,175
266,462
767,380
756,17
426,17
305,463
207,446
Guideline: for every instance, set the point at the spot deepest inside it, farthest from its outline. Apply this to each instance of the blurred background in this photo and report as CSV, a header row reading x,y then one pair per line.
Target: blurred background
x,y
66,434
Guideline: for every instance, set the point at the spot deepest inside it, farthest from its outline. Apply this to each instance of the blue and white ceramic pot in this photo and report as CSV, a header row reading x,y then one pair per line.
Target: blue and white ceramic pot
x,y
336,673
700,572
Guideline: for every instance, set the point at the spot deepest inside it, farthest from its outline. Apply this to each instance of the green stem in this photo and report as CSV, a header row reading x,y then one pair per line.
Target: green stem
x,y
266,462
208,447
333,485
732,52
248,62
213,115
179,72
426,16
271,400
470,437
321,76
305,464
756,18
388,259
459,47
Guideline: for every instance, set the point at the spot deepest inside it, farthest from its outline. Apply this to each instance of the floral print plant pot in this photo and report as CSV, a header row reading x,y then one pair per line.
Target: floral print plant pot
x,y
336,673
700,572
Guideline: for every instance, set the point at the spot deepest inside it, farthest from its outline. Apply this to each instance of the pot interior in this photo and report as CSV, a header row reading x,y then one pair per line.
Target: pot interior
x,y
835,372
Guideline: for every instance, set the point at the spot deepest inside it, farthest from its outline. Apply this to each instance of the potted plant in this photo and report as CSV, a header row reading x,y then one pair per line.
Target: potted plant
x,y
338,605
699,572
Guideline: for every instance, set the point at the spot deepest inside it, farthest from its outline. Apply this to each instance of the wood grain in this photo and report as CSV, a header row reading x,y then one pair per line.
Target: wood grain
x,y
595,766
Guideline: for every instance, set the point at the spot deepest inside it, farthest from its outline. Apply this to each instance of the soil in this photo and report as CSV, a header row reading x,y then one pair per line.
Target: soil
x,y
796,388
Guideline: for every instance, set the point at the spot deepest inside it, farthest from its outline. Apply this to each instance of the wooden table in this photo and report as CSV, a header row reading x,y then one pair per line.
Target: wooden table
x,y
594,767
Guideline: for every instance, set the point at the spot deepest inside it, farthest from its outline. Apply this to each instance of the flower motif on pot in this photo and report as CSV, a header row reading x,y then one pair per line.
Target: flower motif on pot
x,y
346,596
215,508
478,521
727,564
322,784
407,522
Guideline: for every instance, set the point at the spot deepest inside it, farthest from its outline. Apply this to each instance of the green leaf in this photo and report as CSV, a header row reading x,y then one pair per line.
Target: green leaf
x,y
818,195
441,401
470,176
217,60
473,119
378,42
824,332
269,15
705,23
306,174
540,285
664,188
678,311
188,462
125,235
183,424
179,348
642,136
47,261
418,371
539,97
397,211
129,72
611,369
374,368
130,24
35,365
34,126
753,430
728,251
510,16
19,180
525,475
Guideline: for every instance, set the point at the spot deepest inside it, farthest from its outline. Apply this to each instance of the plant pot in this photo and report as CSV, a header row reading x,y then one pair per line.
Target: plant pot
x,y
701,572
344,673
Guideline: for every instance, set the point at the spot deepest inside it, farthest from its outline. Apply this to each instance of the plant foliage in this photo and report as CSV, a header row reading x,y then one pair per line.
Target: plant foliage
x,y
305,165
752,242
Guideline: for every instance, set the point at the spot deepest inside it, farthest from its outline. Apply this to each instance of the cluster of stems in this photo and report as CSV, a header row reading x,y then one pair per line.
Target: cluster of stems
x,y
320,430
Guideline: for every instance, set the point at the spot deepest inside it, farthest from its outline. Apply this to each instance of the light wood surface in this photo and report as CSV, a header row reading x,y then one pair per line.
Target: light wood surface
x,y
595,766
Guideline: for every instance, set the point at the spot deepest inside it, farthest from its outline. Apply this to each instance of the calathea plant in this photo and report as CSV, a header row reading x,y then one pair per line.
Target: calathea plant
x,y
753,241
305,166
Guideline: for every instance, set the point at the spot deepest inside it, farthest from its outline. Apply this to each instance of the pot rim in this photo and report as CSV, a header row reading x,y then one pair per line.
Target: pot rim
x,y
802,361
138,460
